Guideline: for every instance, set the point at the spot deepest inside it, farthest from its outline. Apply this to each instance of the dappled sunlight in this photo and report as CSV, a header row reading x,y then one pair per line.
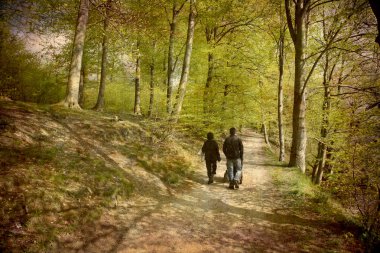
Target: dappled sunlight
x,y
87,203
212,218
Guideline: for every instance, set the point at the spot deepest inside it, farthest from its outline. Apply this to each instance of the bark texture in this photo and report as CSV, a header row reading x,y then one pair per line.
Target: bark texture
x,y
297,32
280,96
171,57
103,72
137,108
186,62
72,92
152,80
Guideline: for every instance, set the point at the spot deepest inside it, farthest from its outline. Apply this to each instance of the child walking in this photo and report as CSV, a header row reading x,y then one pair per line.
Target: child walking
x,y
211,150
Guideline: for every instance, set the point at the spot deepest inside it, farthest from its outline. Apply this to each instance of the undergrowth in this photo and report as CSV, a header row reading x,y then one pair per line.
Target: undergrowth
x,y
298,189
46,191
56,180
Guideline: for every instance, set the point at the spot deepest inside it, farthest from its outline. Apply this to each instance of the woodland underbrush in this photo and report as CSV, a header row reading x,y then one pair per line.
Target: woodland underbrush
x,y
56,174
341,207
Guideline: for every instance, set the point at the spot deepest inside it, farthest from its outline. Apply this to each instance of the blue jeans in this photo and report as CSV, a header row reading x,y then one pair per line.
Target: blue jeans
x,y
231,164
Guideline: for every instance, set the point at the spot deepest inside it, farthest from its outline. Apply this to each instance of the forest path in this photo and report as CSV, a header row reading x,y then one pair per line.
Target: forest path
x,y
212,218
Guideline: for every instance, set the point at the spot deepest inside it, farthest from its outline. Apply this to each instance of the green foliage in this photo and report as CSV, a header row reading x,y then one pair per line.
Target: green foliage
x,y
24,76
242,93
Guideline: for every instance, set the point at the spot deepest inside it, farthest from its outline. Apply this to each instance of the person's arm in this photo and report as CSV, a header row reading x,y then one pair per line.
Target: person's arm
x,y
224,147
217,152
241,149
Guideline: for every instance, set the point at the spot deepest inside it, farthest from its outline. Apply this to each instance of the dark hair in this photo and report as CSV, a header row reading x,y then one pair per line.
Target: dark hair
x,y
210,136
232,130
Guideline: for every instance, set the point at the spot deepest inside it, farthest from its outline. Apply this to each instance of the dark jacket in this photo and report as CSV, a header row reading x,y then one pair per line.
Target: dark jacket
x,y
233,147
211,150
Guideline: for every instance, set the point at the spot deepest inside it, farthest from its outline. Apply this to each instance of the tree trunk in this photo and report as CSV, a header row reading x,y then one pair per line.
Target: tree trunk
x,y
82,85
297,31
210,74
321,165
265,132
329,158
137,109
210,39
171,61
315,166
225,94
152,81
186,63
72,92
280,97
103,72
326,106
263,120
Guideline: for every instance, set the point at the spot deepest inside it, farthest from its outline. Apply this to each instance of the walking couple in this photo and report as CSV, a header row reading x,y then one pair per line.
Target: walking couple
x,y
232,149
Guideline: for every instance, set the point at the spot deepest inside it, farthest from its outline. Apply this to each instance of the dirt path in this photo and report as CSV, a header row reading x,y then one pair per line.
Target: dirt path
x,y
211,218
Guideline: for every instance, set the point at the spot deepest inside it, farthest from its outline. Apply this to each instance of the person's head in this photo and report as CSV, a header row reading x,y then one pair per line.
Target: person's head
x,y
232,131
210,136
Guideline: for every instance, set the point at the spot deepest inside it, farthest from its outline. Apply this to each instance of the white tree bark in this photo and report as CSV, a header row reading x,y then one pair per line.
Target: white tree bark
x,y
72,92
186,63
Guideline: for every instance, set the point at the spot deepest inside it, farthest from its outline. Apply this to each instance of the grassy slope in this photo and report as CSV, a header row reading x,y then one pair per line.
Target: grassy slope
x,y
312,201
57,174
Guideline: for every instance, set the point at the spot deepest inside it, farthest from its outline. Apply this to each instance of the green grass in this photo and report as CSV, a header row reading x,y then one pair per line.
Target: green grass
x,y
298,189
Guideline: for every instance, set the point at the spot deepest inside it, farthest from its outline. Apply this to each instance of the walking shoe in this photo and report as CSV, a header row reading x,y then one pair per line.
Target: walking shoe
x,y
231,186
210,181
236,184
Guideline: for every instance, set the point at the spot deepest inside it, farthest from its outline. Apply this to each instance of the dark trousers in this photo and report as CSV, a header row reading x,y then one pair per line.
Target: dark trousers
x,y
211,168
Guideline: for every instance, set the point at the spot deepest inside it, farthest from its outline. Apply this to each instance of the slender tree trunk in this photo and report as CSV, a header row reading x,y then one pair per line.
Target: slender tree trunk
x,y
171,60
321,164
72,92
322,153
315,166
263,120
280,97
329,158
152,81
210,74
225,94
82,85
210,36
103,72
265,132
137,109
186,62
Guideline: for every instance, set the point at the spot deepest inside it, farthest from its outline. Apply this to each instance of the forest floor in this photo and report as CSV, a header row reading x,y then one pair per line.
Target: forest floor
x,y
265,215
212,218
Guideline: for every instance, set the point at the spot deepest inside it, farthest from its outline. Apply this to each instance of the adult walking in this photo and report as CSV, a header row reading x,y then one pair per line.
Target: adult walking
x,y
233,150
